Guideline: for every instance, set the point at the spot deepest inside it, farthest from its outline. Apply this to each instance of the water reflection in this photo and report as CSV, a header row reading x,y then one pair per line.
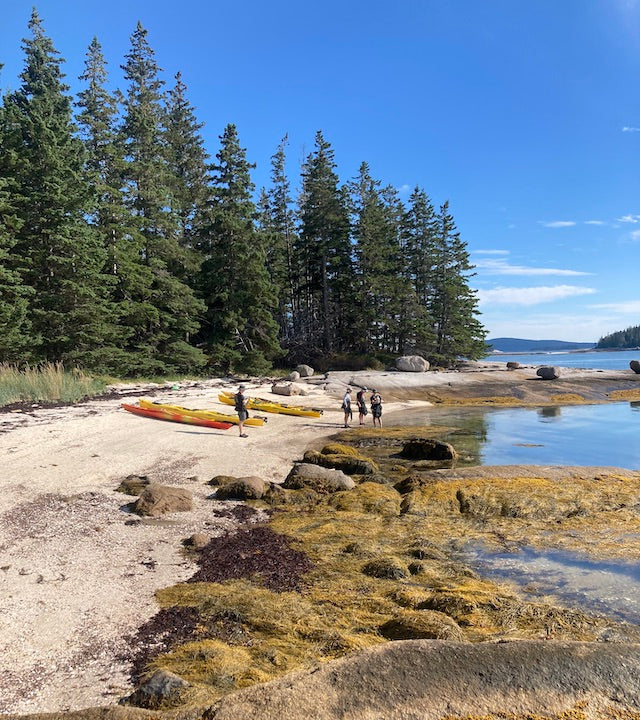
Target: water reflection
x,y
568,435
608,588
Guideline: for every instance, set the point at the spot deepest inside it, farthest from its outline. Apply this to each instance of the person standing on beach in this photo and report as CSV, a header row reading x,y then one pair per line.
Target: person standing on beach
x,y
376,408
346,406
241,409
362,404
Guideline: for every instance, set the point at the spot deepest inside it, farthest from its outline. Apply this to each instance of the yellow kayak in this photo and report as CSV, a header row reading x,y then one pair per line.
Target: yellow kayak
x,y
271,406
204,414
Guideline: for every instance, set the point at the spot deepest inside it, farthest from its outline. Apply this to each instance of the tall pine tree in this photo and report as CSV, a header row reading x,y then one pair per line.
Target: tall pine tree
x,y
164,312
58,255
240,331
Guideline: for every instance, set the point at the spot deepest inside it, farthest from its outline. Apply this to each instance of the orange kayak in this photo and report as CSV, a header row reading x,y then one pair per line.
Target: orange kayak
x,y
176,417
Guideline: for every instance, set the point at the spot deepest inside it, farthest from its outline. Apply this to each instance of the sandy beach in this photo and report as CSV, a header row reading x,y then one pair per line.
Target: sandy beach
x,y
79,572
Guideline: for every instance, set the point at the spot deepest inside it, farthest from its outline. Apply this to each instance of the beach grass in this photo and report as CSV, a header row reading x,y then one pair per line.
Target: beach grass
x,y
48,383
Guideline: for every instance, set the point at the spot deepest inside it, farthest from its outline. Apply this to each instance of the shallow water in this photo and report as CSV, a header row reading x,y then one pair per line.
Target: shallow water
x,y
609,588
564,435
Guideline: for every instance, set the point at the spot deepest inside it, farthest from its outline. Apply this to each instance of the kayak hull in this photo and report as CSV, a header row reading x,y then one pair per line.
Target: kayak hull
x,y
271,406
204,414
176,417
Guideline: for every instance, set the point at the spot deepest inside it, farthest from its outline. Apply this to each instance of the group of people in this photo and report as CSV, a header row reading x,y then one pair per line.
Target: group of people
x,y
375,402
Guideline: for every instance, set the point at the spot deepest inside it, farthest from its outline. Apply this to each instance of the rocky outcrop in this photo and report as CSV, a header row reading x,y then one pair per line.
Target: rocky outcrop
x,y
513,365
635,366
157,500
547,372
412,363
432,679
349,464
317,478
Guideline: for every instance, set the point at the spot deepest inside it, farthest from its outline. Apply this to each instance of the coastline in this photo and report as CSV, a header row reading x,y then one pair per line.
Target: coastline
x,y
78,577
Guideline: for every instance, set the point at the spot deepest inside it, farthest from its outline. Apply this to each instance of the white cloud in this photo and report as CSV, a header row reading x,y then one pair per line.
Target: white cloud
x,y
404,189
629,219
627,128
502,267
594,222
530,295
558,223
490,252
634,235
630,307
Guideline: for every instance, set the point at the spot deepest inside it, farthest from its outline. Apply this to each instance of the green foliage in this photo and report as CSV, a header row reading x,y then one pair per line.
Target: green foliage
x,y
46,383
629,338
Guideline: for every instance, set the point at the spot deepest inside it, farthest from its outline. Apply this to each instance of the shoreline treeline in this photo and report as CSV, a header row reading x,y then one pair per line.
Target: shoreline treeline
x,y
125,248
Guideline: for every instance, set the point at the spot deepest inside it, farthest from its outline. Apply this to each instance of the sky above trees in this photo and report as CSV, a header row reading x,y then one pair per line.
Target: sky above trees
x,y
522,115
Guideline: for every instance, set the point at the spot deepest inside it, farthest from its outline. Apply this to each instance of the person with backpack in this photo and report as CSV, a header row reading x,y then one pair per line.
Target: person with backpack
x,y
376,407
241,409
362,404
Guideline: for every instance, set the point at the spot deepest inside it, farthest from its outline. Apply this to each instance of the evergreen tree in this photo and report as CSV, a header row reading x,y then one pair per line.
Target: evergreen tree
x,y
15,328
276,222
189,177
324,251
163,311
240,331
58,255
454,305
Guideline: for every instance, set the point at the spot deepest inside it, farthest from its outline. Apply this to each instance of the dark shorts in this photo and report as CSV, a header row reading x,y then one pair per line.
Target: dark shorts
x,y
243,415
376,411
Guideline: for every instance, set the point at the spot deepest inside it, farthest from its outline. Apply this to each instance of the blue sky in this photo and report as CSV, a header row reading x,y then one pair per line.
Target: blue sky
x,y
525,115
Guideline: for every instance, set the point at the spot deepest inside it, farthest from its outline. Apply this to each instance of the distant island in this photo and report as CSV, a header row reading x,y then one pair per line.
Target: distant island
x,y
628,339
519,345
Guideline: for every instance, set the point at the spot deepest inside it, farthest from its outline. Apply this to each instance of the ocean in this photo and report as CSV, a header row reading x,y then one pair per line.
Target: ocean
x,y
601,360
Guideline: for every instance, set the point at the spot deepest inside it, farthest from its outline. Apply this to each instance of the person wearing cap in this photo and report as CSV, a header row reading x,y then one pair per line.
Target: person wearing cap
x,y
362,404
376,407
241,409
346,406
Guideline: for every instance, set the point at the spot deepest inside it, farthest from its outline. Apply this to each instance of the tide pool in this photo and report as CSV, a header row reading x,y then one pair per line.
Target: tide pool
x,y
561,435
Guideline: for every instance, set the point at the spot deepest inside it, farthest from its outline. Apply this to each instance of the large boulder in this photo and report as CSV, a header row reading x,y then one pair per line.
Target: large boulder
x,y
319,479
428,449
547,372
635,366
285,388
242,488
304,370
513,365
157,500
412,363
294,376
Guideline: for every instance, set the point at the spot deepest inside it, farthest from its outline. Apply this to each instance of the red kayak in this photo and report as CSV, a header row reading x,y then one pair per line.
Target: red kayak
x,y
176,417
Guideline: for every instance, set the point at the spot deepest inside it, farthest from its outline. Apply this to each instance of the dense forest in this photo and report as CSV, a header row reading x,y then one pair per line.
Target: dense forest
x,y
126,248
629,338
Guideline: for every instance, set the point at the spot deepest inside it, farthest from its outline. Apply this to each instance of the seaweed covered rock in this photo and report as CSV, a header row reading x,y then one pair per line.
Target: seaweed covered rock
x,y
321,479
428,449
635,366
348,463
158,500
385,569
162,689
422,624
369,497
242,488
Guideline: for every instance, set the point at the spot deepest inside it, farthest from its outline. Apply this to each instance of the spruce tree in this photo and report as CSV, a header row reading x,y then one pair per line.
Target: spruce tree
x,y
277,223
240,332
323,247
189,177
163,311
454,304
58,255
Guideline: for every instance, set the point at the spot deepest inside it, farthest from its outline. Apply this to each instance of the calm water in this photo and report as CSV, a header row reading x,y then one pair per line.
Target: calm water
x,y
567,435
595,360
609,588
